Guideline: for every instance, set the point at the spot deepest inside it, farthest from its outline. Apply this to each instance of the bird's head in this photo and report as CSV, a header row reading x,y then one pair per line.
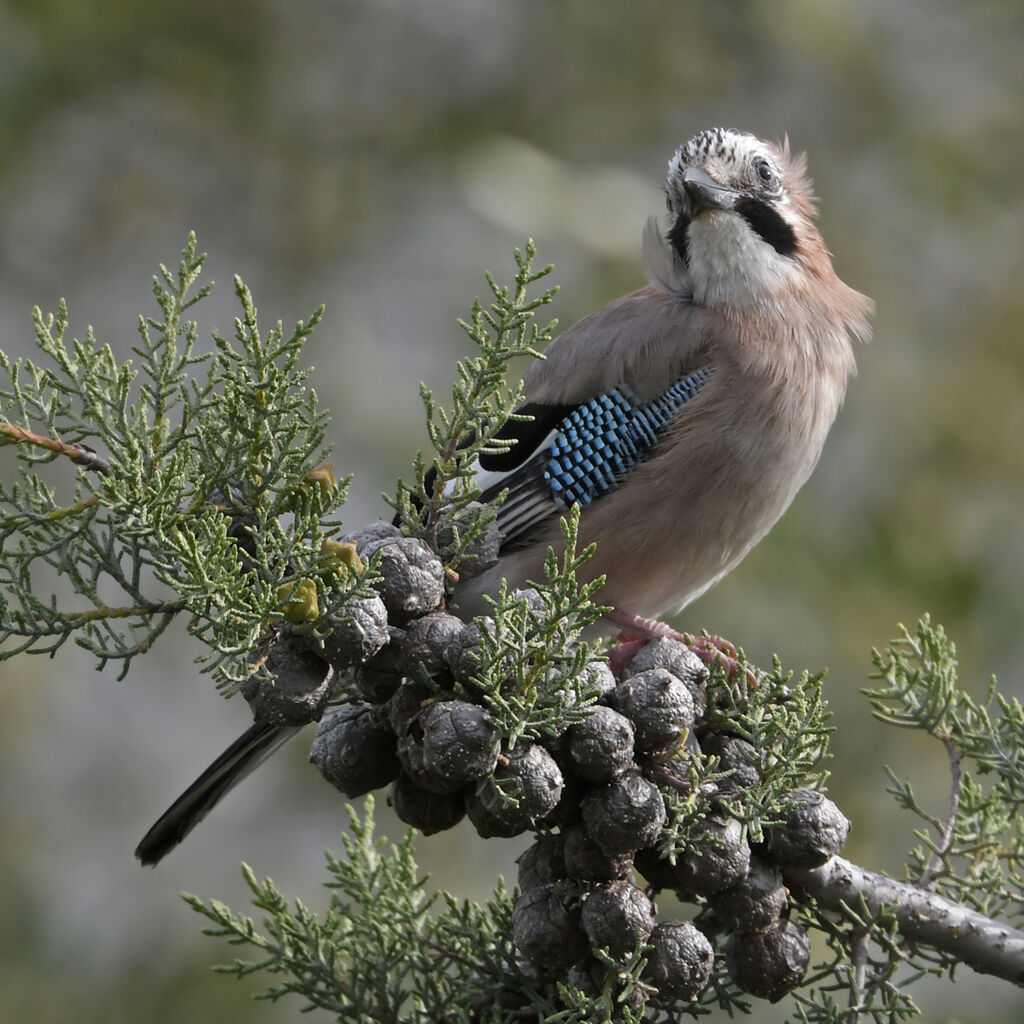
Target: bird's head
x,y
741,233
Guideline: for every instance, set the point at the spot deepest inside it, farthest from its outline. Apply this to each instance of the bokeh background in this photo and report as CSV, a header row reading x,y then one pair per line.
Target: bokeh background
x,y
378,155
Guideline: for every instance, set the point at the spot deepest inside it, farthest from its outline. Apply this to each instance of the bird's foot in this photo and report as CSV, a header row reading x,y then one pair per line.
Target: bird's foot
x,y
626,648
638,631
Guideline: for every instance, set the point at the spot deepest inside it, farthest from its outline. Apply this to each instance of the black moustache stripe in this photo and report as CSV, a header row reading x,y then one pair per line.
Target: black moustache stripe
x,y
678,239
768,224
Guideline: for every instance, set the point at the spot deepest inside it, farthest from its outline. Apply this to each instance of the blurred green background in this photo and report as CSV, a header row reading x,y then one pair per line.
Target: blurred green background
x,y
377,156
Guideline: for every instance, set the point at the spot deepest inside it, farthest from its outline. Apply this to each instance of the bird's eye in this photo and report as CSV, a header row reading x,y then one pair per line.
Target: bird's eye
x,y
765,172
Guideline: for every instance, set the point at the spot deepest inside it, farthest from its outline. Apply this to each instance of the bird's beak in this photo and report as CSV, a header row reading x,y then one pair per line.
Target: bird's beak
x,y
704,193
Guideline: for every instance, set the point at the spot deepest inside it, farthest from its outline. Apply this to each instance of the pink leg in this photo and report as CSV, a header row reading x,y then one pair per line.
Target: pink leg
x,y
638,631
625,649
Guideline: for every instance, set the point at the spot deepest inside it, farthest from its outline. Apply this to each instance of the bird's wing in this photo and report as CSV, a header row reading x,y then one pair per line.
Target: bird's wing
x,y
600,402
643,340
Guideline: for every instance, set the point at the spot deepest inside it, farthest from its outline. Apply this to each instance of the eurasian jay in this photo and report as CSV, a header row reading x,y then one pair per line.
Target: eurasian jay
x,y
682,418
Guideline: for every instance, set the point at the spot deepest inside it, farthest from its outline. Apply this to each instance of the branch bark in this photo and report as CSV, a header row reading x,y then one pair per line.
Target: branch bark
x,y
78,453
987,946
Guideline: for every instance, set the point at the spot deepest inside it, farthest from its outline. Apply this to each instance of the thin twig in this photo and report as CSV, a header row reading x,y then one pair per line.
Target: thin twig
x,y
77,453
859,943
937,864
129,612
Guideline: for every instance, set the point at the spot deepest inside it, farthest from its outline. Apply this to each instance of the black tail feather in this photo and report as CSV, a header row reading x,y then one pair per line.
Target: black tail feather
x,y
249,751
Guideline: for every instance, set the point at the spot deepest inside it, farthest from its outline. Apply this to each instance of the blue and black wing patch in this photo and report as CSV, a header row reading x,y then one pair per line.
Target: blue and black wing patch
x,y
577,454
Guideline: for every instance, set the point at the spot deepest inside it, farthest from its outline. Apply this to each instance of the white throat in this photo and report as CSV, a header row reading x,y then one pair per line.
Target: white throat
x,y
731,265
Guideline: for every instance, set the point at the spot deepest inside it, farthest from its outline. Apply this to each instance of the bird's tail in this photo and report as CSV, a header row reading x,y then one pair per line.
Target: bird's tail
x,y
249,751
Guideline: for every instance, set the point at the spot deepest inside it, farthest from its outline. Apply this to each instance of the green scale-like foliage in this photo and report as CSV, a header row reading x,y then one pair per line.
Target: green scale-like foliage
x,y
197,491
